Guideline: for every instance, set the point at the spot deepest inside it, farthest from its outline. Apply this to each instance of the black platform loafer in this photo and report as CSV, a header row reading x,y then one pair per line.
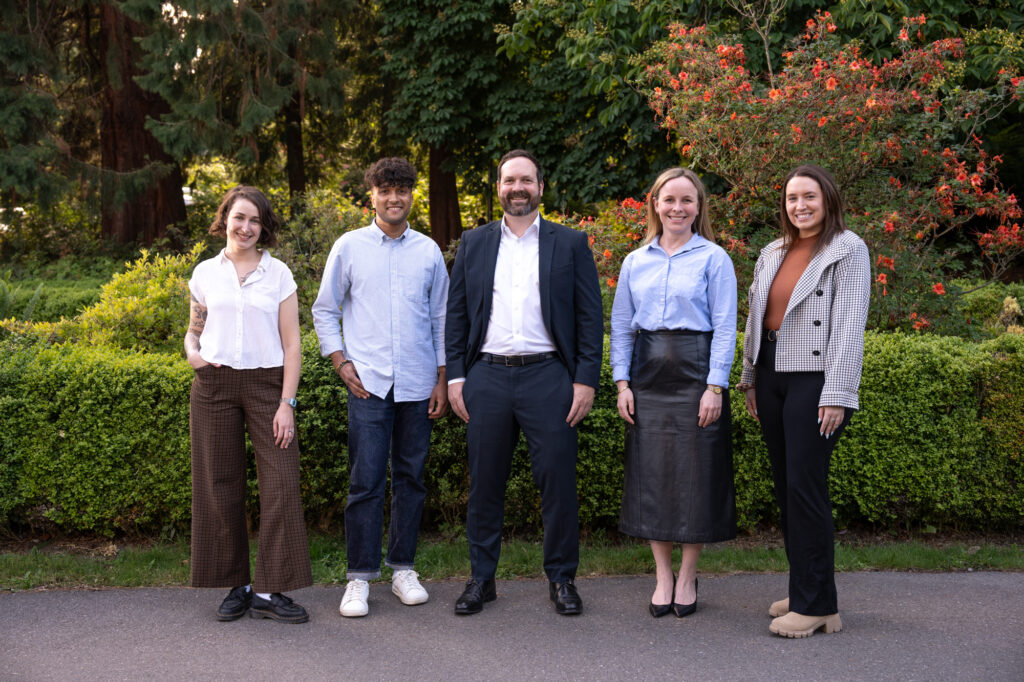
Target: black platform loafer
x,y
567,599
473,597
235,604
279,608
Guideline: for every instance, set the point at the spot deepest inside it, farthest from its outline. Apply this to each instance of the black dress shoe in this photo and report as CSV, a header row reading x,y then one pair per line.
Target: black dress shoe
x,y
473,597
235,604
279,608
567,599
683,610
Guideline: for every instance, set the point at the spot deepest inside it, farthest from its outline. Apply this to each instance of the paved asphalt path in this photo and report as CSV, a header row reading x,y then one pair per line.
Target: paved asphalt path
x,y
897,626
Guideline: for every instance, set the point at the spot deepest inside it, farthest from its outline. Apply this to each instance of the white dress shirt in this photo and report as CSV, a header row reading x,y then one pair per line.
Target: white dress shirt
x,y
242,324
516,326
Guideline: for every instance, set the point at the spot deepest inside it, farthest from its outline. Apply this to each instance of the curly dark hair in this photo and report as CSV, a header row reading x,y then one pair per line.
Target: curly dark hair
x,y
269,224
390,172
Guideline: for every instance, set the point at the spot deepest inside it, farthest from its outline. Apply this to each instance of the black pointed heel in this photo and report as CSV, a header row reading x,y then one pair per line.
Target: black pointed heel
x,y
683,610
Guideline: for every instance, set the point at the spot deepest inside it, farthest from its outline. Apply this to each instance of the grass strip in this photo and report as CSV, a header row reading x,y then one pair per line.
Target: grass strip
x,y
441,559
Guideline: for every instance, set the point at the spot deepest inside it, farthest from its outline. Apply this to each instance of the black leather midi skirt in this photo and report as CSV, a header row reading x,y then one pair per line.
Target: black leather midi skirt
x,y
679,477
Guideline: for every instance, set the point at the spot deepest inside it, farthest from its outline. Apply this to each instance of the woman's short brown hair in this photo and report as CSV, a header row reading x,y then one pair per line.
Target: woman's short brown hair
x,y
269,224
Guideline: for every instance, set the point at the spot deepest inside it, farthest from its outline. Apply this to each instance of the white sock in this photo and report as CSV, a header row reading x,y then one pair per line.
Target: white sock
x,y
263,595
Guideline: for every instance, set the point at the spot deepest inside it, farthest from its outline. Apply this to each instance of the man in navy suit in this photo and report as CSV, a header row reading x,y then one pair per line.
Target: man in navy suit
x,y
523,343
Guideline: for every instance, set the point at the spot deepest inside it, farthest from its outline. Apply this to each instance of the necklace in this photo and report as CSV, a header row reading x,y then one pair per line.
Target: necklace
x,y
241,280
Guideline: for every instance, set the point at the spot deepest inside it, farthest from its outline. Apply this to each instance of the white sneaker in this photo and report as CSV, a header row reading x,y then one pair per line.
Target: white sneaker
x,y
353,604
405,583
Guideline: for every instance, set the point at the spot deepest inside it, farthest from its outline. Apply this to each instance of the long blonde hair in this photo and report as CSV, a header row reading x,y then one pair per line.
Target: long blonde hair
x,y
701,224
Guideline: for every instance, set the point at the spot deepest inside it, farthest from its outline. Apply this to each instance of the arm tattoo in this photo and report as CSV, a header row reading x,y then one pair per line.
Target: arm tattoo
x,y
197,322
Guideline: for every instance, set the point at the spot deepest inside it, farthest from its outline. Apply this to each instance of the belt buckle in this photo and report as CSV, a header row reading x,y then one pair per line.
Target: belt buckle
x,y
773,334
508,359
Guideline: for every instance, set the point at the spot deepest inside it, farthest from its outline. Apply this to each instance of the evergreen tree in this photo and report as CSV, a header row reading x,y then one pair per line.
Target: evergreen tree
x,y
244,79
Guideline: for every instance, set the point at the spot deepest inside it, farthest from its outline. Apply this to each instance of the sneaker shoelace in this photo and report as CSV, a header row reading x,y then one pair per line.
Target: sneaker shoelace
x,y
408,580
356,589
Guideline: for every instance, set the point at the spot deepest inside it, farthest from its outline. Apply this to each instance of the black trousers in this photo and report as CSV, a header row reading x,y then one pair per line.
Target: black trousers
x,y
787,405
502,401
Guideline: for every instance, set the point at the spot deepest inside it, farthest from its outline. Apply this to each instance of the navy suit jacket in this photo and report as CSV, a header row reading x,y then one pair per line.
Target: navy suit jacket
x,y
570,299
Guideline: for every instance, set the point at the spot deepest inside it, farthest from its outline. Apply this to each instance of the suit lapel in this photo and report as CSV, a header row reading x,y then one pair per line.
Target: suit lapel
x,y
545,249
491,244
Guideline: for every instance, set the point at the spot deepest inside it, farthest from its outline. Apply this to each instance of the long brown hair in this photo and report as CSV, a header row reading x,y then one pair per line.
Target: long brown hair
x,y
268,221
833,204
701,224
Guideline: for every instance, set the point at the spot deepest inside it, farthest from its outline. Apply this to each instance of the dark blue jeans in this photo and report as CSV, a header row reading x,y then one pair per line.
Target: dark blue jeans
x,y
379,431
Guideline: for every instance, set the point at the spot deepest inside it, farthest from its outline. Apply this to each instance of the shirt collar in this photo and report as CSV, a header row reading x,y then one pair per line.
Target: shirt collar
x,y
382,236
262,265
695,242
535,226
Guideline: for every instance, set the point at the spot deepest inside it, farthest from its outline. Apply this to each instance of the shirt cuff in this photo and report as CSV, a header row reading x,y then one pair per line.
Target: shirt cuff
x,y
719,377
456,381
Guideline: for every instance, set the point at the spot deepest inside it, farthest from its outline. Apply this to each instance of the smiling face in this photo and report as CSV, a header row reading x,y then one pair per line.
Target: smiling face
x,y
805,205
392,205
518,189
243,226
677,206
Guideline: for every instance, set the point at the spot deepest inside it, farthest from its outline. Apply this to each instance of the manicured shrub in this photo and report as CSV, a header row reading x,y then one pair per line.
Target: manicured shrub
x,y
96,440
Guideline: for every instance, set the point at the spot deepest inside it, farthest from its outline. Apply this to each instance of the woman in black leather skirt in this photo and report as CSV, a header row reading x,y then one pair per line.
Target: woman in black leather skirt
x,y
672,344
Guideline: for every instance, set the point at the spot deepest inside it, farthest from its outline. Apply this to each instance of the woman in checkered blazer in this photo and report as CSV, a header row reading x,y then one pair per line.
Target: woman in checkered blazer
x,y
802,355
243,342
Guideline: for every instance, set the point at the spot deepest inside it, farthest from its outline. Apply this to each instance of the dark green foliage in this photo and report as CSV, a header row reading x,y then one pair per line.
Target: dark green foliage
x,y
97,441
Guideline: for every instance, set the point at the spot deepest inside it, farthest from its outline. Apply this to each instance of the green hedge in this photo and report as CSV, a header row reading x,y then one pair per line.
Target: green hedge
x,y
96,440
49,302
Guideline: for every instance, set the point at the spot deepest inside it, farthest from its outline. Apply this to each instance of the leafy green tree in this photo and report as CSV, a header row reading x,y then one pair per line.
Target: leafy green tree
x,y
441,59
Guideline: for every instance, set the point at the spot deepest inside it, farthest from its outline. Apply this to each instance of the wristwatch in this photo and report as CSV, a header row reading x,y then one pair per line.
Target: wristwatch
x,y
714,389
291,401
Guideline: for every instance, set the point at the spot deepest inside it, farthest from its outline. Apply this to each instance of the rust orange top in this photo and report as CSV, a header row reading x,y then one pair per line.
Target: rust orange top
x,y
793,265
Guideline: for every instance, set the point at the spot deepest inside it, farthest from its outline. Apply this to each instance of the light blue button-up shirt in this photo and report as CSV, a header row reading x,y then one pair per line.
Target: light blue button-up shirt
x,y
694,288
390,297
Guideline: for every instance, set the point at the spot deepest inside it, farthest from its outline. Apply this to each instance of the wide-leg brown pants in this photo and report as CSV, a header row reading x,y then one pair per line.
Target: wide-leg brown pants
x,y
224,403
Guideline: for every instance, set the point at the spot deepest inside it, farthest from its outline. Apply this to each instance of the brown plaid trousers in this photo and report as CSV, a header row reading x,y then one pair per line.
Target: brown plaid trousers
x,y
225,402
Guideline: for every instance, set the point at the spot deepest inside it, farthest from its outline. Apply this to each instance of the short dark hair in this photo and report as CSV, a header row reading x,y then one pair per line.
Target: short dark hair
x,y
269,224
390,172
833,202
517,153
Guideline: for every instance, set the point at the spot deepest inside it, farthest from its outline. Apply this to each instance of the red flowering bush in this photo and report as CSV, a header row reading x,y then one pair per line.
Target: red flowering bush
x,y
900,138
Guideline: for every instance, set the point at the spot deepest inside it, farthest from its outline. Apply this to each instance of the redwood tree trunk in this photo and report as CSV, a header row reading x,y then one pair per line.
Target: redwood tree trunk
x,y
445,223
295,162
139,207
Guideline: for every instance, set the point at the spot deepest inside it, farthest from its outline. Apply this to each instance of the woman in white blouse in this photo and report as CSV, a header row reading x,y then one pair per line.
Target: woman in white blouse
x,y
243,342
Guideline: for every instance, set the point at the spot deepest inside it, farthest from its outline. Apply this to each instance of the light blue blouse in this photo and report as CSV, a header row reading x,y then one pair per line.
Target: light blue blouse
x,y
694,289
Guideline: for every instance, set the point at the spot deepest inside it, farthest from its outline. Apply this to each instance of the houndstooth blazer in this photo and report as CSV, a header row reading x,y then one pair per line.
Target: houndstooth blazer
x,y
823,327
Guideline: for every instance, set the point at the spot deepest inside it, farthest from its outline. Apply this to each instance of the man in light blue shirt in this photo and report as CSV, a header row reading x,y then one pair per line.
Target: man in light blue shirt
x,y
388,286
